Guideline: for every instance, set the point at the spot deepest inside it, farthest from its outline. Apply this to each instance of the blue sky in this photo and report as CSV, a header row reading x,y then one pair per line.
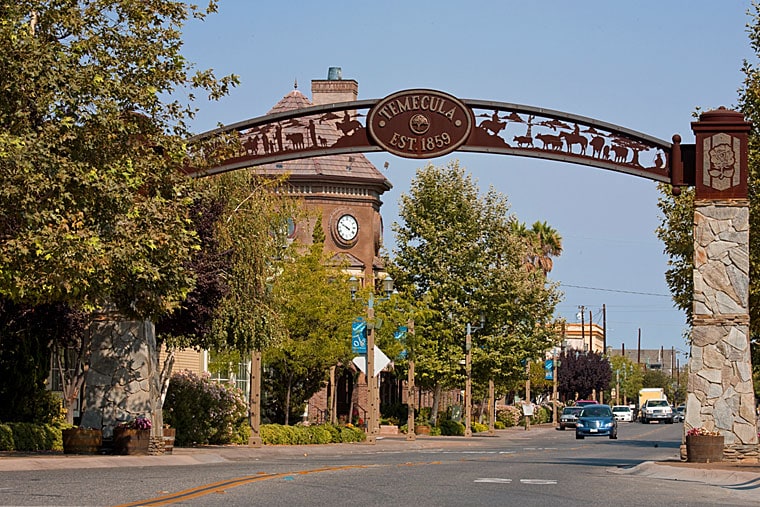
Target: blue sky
x,y
644,65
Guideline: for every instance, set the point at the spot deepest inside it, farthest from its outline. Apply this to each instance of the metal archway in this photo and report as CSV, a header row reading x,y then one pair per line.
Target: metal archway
x,y
493,127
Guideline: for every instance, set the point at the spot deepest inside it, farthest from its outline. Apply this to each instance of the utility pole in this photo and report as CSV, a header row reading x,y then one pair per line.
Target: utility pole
x,y
604,327
590,332
583,324
638,356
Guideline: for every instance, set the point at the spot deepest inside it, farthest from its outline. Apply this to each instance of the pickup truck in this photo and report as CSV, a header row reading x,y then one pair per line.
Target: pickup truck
x,y
656,410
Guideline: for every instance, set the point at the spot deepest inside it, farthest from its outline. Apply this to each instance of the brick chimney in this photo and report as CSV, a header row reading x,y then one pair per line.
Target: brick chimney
x,y
333,89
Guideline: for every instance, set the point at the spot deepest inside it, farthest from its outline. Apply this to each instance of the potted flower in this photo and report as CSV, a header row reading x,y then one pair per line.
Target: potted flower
x,y
81,440
132,437
704,446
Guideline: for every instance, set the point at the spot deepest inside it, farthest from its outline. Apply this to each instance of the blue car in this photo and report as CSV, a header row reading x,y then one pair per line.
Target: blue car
x,y
594,421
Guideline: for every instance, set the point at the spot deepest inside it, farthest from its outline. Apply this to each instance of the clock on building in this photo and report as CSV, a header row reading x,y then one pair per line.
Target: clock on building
x,y
347,227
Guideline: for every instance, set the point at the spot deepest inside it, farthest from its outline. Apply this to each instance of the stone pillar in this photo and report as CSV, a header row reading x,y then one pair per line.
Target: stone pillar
x,y
122,382
720,394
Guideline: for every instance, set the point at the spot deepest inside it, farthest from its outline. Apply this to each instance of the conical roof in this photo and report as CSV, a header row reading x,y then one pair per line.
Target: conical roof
x,y
353,166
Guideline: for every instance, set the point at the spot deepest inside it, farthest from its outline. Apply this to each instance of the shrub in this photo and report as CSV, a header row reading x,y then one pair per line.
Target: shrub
x,y
319,434
479,428
205,412
498,425
449,427
35,437
278,434
541,414
348,434
6,438
423,416
509,415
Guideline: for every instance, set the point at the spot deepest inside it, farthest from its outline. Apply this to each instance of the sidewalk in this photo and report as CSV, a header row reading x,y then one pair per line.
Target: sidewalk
x,y
744,476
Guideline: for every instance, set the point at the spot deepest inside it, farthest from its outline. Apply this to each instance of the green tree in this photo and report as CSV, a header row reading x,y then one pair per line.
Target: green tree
x,y
94,205
458,258
316,310
252,230
628,375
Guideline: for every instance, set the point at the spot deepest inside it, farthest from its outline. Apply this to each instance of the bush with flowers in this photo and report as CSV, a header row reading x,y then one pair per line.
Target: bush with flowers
x,y
702,432
205,412
508,415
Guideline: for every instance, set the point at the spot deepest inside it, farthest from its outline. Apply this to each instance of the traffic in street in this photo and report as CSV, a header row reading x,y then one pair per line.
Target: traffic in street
x,y
542,466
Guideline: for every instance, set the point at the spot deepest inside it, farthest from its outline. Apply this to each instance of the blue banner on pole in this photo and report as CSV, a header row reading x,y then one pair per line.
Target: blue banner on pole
x,y
549,369
359,336
400,333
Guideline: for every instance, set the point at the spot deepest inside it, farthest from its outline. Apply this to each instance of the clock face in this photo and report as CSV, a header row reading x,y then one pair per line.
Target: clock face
x,y
347,227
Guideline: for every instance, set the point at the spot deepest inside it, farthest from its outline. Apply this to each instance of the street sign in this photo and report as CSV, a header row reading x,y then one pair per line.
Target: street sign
x,y
549,369
381,361
359,336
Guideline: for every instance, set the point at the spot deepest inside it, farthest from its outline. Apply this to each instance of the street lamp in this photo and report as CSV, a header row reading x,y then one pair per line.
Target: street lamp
x,y
555,366
372,391
468,371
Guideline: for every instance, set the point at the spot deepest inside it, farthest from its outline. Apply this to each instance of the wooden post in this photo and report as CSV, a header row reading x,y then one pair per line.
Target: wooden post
x,y
254,401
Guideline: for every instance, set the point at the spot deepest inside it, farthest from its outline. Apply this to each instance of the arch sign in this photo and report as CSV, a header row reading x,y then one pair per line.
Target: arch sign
x,y
423,124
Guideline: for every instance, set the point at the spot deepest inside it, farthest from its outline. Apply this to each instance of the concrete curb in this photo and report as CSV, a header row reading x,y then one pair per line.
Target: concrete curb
x,y
718,474
723,476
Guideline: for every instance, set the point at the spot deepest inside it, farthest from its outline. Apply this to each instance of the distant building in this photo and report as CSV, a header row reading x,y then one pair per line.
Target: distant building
x,y
662,359
583,337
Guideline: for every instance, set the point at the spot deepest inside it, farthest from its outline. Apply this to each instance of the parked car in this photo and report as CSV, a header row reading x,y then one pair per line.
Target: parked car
x,y
656,410
622,413
596,420
568,417
680,413
583,403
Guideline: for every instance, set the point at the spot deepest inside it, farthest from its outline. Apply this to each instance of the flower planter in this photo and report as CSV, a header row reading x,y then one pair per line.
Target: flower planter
x,y
388,429
131,441
704,448
169,434
422,429
81,441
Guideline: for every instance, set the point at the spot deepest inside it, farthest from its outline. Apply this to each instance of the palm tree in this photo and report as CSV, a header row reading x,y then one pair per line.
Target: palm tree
x,y
519,229
549,243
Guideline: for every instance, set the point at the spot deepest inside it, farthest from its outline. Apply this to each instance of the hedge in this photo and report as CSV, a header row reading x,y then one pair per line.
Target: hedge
x,y
22,436
278,434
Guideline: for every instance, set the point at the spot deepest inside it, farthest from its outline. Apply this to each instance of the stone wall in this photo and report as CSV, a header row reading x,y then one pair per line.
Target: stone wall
x,y
122,382
720,391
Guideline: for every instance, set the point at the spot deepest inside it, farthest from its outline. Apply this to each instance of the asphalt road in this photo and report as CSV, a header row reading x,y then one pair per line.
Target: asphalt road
x,y
539,467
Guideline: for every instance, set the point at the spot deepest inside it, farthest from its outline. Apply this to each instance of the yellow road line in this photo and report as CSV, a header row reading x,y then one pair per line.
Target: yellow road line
x,y
221,486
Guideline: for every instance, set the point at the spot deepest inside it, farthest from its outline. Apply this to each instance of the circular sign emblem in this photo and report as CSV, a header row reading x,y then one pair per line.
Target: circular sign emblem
x,y
420,123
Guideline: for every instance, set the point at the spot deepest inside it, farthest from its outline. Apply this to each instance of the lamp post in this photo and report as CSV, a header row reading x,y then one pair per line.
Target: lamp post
x,y
372,398
555,360
468,372
410,435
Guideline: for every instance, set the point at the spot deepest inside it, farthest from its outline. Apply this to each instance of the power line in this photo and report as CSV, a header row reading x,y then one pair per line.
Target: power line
x,y
615,290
